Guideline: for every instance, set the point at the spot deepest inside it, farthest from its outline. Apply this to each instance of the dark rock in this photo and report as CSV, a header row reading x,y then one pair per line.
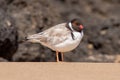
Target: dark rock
x,y
3,60
8,36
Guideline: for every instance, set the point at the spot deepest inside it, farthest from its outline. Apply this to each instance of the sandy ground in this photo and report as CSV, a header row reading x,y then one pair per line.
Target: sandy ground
x,y
59,71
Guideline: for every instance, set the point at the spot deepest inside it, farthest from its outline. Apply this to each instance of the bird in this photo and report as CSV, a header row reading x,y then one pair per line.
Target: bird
x,y
63,37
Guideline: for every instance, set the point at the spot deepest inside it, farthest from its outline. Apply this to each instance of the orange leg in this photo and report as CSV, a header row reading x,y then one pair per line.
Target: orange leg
x,y
62,56
57,58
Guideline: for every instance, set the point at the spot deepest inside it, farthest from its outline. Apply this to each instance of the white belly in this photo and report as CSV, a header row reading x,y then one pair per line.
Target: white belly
x,y
69,44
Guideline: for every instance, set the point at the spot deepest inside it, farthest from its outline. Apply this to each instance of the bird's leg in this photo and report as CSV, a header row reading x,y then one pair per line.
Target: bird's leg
x,y
62,58
57,58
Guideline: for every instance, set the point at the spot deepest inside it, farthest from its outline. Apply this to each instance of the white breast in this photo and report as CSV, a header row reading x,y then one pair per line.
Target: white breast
x,y
69,44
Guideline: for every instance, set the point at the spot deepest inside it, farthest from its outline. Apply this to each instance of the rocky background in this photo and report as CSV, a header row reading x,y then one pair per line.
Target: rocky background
x,y
18,18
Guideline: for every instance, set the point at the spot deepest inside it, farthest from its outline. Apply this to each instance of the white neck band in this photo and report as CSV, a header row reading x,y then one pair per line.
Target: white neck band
x,y
70,25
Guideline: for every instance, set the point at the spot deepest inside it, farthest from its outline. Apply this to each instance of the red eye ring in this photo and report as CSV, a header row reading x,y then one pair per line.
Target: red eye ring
x,y
81,27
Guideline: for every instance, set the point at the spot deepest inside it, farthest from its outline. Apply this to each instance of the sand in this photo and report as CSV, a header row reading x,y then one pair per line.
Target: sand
x,y
59,71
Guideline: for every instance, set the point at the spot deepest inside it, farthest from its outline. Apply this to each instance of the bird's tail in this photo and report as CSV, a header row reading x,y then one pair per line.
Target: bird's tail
x,y
35,38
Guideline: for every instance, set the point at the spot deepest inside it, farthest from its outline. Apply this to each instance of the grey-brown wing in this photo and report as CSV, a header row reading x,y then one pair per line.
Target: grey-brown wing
x,y
55,35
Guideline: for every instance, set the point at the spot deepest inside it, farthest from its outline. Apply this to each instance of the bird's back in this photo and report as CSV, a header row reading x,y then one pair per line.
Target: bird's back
x,y
52,36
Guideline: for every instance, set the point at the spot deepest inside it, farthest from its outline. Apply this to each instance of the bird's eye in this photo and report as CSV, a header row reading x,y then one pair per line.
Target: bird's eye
x,y
77,24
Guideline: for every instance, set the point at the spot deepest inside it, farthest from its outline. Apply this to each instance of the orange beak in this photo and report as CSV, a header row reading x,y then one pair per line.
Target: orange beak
x,y
81,27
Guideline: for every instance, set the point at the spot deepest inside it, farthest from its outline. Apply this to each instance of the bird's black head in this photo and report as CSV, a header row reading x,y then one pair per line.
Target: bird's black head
x,y
77,25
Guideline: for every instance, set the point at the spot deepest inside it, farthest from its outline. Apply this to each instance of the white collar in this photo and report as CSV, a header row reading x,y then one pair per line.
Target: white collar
x,y
70,26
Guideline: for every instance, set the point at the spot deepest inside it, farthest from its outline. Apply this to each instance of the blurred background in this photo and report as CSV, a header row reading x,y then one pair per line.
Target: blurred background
x,y
101,18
